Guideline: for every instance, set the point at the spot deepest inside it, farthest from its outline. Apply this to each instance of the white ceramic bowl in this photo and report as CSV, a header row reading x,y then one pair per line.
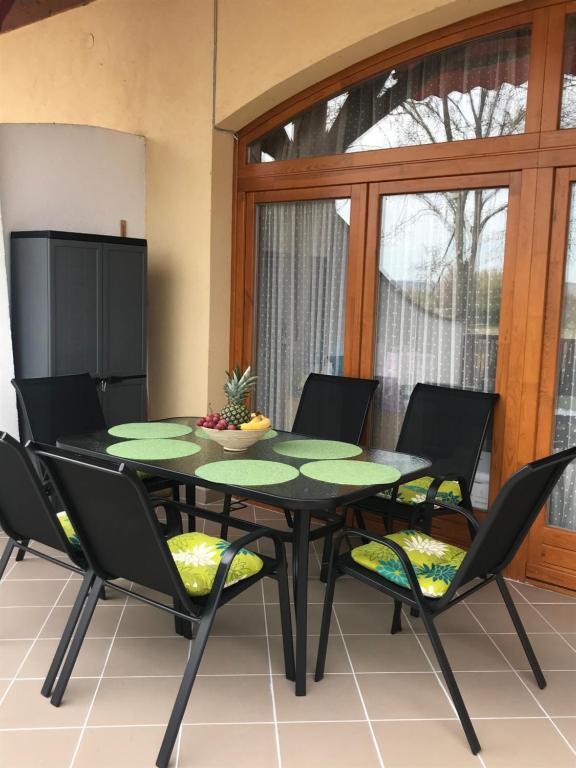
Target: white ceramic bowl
x,y
235,439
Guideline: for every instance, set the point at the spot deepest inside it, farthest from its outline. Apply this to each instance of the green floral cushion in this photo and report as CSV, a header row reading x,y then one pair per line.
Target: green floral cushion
x,y
435,562
64,521
415,492
197,557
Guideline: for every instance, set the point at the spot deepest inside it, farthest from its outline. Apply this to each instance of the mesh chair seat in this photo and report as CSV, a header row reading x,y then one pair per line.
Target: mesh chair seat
x,y
435,562
414,492
197,557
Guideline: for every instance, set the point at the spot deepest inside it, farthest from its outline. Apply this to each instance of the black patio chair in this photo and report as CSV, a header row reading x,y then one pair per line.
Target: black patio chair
x,y
55,406
447,425
495,543
26,514
109,508
331,408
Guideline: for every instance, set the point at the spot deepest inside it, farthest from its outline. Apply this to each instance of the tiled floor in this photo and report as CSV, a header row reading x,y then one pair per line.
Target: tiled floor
x,y
381,703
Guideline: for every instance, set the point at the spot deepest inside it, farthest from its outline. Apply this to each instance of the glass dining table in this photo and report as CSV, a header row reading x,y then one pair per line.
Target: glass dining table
x,y
295,473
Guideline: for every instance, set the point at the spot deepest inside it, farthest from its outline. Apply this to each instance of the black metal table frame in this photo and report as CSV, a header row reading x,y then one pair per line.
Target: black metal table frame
x,y
301,528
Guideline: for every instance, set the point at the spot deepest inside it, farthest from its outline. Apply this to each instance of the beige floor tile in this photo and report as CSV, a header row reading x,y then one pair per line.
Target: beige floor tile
x,y
21,622
222,746
4,685
411,695
568,727
36,568
89,664
522,744
24,707
496,694
365,619
145,621
37,749
537,595
134,701
336,657
386,653
561,616
491,594
119,747
335,697
240,620
495,618
353,591
230,700
337,745
458,620
468,652
12,653
38,593
235,655
71,590
551,651
408,744
155,656
559,696
314,620
103,624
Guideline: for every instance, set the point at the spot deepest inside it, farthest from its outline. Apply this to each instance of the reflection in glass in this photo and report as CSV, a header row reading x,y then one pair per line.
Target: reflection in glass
x,y
562,509
440,279
568,106
301,253
469,91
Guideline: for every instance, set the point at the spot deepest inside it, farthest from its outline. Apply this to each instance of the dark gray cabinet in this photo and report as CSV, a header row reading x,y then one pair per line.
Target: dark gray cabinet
x,y
78,303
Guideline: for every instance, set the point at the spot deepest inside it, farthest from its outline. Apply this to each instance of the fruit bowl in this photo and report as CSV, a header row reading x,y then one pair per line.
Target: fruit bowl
x,y
235,440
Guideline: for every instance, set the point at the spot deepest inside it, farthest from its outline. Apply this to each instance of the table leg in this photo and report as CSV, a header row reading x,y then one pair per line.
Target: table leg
x,y
300,549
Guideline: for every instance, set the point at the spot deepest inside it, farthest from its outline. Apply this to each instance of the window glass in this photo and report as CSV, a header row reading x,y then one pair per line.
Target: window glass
x,y
301,257
470,91
568,106
439,286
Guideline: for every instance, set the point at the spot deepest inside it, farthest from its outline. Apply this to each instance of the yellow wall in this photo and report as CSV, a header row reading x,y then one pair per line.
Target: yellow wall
x,y
145,66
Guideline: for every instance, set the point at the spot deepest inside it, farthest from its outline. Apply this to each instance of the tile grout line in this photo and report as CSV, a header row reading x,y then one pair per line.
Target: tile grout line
x,y
526,686
34,641
364,707
98,684
560,635
440,680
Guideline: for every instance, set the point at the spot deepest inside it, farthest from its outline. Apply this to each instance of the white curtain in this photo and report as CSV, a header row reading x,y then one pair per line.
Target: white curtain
x,y
8,414
441,258
562,511
301,254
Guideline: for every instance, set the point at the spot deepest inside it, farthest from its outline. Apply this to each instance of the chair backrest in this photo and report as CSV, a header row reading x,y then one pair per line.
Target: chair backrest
x,y
448,426
115,523
59,405
25,511
334,407
509,519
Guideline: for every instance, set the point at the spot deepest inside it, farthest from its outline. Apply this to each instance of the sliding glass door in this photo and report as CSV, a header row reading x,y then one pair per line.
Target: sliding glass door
x,y
440,266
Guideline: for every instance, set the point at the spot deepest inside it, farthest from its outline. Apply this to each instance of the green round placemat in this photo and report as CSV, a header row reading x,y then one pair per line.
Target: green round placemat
x,y
153,450
247,472
347,472
199,432
317,449
147,430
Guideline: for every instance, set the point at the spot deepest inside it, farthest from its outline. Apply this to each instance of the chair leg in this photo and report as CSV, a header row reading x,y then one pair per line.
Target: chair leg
x,y
181,626
359,517
21,552
397,618
87,583
185,690
519,627
326,618
10,544
289,519
191,501
77,641
453,689
286,622
326,553
226,514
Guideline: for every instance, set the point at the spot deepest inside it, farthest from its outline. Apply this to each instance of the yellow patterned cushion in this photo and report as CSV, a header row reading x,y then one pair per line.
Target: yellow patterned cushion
x,y
415,492
435,563
64,521
197,557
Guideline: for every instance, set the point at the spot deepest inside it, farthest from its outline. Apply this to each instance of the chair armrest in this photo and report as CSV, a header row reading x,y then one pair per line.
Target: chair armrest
x,y
396,548
461,511
173,518
437,482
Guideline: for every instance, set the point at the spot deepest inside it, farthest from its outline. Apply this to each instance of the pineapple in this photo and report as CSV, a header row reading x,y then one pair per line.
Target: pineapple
x,y
238,386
